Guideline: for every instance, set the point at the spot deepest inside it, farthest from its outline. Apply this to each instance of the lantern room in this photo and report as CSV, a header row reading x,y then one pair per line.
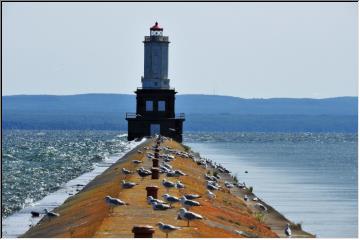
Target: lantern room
x,y
156,30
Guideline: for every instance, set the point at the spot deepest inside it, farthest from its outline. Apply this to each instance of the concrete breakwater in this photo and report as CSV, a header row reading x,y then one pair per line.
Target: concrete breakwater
x,y
87,215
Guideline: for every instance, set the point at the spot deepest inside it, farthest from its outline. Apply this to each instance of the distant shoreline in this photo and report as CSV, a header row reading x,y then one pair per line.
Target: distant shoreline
x,y
203,113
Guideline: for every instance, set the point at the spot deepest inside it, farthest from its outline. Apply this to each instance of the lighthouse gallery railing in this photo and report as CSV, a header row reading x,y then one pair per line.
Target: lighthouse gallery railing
x,y
134,115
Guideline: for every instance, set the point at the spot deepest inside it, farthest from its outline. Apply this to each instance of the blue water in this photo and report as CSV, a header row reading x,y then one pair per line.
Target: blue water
x,y
310,178
37,163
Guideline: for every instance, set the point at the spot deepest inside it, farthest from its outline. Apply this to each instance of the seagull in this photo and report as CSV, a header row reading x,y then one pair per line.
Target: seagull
x,y
210,194
189,216
167,228
211,187
151,199
136,161
176,173
171,174
167,166
112,202
245,234
287,230
188,203
210,178
214,183
246,198
255,199
125,184
51,214
164,169
143,172
139,151
179,185
261,206
192,196
167,184
229,185
180,173
170,199
160,206
126,171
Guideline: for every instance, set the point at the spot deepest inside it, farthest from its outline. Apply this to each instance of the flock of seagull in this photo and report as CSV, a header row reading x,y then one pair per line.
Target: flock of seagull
x,y
187,201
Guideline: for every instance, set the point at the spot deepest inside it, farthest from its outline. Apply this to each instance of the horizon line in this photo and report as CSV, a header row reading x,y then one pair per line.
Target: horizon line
x,y
204,94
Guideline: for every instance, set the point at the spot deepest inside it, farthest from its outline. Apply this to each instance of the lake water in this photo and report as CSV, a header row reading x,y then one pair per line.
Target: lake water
x,y
310,178
41,169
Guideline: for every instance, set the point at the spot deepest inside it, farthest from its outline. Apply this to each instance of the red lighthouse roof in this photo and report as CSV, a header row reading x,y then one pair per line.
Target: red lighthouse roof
x,y
156,27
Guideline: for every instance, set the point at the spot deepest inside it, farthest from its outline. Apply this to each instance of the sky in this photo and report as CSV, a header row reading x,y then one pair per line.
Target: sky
x,y
248,50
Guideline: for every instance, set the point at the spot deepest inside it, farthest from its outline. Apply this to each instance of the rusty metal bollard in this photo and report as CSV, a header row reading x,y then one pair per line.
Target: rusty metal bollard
x,y
152,191
155,162
143,231
155,173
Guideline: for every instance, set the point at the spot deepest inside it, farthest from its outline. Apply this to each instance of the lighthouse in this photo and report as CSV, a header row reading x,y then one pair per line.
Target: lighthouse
x,y
155,100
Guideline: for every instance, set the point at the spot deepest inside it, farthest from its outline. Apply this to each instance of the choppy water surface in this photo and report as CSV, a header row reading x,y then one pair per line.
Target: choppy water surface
x,y
36,163
310,178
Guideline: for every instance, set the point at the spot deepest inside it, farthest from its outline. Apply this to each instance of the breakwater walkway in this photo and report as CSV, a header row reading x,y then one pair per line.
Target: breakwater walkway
x,y
87,215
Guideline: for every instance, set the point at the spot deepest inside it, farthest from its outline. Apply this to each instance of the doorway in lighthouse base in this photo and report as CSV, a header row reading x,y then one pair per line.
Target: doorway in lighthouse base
x,y
154,129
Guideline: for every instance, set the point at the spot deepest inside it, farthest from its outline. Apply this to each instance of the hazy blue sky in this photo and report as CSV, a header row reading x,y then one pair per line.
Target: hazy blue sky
x,y
251,50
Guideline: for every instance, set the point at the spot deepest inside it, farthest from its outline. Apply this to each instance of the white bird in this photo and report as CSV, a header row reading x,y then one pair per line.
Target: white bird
x,y
139,151
188,203
210,178
228,185
51,214
125,184
246,198
180,173
167,228
192,196
151,199
136,161
210,194
160,206
287,230
179,185
261,206
170,199
126,171
246,234
167,166
175,173
189,216
168,184
212,187
143,172
113,202
255,199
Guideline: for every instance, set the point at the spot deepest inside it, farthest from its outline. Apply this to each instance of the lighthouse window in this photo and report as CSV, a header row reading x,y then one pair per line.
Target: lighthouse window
x,y
161,106
149,106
